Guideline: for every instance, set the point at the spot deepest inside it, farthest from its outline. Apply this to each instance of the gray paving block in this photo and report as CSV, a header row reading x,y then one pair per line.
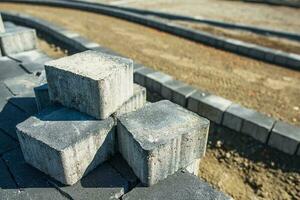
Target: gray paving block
x,y
119,164
137,66
155,80
33,56
34,184
2,28
180,186
194,167
181,94
213,107
9,68
8,24
4,95
18,40
33,67
65,143
10,116
91,82
26,102
140,75
6,143
257,125
135,102
8,188
23,84
285,137
161,138
42,97
233,116
104,182
168,87
193,100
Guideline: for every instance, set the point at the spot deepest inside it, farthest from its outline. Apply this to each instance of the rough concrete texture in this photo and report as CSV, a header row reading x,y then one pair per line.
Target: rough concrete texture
x,y
91,82
181,94
193,168
18,40
161,138
168,88
135,102
42,97
179,186
65,143
213,107
104,182
140,75
2,29
257,125
285,137
247,121
194,99
155,80
33,184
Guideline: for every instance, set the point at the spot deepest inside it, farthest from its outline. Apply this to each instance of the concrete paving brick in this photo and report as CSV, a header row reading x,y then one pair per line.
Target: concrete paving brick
x,y
42,98
9,68
104,182
33,67
137,66
119,164
33,183
180,186
161,138
140,75
91,82
4,95
213,107
23,84
193,100
10,116
257,125
181,94
233,116
18,40
65,143
194,167
33,56
8,24
168,87
6,143
26,102
285,137
8,188
2,28
155,80
135,102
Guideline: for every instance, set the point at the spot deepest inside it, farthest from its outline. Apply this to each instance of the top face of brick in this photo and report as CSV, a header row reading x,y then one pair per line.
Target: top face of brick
x,y
160,122
68,125
91,64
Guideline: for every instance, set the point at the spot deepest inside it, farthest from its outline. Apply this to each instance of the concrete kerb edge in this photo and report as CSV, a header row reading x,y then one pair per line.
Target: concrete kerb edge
x,y
290,61
36,24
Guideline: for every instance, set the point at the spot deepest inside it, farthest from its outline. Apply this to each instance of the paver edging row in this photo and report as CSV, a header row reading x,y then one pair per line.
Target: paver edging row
x,y
171,16
282,136
265,54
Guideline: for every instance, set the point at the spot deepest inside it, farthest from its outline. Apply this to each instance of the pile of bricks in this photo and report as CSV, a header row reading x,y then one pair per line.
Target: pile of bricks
x,y
90,109
16,39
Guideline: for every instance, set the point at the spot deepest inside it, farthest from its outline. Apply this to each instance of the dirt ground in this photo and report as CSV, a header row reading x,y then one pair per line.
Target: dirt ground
x,y
236,164
266,41
262,15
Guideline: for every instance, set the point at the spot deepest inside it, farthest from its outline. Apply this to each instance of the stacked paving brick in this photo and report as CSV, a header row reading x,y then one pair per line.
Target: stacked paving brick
x,y
16,39
90,108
